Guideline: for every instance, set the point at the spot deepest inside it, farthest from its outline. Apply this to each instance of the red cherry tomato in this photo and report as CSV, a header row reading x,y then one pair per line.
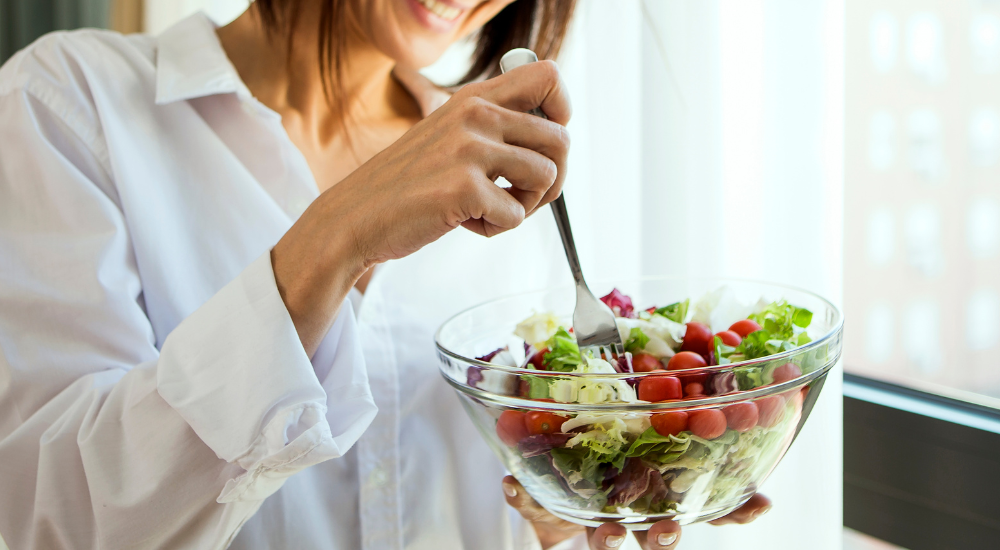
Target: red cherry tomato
x,y
741,416
538,359
770,409
660,388
707,424
696,338
686,360
745,327
694,389
786,372
511,428
729,338
644,362
669,423
543,422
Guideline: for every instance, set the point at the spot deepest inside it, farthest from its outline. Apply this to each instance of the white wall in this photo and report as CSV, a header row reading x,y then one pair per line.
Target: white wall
x,y
160,14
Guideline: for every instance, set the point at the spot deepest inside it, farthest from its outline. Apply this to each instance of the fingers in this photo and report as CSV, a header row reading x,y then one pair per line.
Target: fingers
x,y
607,537
529,86
520,500
549,527
757,506
663,535
530,174
546,138
490,210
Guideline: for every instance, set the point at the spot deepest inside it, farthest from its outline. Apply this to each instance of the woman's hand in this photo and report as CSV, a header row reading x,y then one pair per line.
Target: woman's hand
x,y
663,535
438,176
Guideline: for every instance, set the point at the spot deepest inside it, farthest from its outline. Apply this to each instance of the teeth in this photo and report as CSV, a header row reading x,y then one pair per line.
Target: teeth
x,y
441,10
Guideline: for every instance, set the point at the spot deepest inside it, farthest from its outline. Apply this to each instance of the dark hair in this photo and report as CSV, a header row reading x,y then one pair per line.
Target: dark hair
x,y
537,24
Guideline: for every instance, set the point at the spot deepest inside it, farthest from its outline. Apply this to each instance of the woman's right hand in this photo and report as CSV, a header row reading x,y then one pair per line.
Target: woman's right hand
x,y
438,176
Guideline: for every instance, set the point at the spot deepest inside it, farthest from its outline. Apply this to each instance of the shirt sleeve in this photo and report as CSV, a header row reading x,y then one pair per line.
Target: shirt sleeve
x,y
106,441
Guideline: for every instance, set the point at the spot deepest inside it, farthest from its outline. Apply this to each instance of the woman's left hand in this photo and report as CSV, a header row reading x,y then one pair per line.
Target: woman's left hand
x,y
663,535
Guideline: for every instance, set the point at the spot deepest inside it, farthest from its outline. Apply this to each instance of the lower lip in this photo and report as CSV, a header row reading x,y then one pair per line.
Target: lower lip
x,y
429,20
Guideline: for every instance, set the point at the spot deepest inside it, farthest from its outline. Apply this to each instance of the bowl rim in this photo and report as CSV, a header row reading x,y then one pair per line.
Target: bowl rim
x,y
822,340
647,406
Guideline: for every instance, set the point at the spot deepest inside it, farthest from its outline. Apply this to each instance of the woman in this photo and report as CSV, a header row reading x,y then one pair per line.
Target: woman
x,y
189,223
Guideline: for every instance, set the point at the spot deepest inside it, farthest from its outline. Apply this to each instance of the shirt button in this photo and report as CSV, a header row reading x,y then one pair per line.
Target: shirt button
x,y
378,477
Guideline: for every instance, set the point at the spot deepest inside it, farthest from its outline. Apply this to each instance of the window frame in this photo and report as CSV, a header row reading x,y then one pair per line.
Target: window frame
x,y
921,471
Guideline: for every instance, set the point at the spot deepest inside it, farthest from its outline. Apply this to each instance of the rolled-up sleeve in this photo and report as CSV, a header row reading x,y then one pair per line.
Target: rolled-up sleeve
x,y
236,372
105,440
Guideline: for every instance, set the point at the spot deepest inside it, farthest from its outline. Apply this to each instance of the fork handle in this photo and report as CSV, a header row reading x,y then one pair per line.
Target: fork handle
x,y
511,60
566,232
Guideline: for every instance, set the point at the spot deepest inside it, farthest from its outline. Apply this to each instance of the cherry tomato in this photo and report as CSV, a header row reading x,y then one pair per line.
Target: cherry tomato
x,y
644,362
696,338
511,428
707,424
538,359
686,360
543,422
771,409
660,388
729,338
786,372
745,327
694,389
741,416
669,423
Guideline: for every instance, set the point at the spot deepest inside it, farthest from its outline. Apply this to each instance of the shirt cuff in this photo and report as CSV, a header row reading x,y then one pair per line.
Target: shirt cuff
x,y
237,373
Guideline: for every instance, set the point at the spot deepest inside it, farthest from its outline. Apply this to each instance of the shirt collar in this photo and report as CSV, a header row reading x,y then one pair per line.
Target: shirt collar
x,y
191,63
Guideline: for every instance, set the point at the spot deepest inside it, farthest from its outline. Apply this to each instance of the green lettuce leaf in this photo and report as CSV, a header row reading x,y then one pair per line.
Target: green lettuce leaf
x,y
779,318
563,354
675,312
749,378
637,340
579,460
652,443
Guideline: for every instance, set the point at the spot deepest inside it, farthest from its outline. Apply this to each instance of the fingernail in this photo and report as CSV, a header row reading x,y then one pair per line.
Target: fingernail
x,y
666,539
762,511
614,541
509,490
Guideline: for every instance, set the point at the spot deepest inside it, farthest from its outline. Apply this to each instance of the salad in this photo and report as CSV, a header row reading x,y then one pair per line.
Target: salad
x,y
680,461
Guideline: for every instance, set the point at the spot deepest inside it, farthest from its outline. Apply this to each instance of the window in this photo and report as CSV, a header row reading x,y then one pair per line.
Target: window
x,y
922,204
922,274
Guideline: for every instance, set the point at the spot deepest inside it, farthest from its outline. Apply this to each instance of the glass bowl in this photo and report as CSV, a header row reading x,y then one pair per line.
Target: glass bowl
x,y
593,463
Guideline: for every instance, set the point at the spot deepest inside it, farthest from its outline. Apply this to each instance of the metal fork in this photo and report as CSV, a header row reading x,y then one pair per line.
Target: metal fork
x,y
593,321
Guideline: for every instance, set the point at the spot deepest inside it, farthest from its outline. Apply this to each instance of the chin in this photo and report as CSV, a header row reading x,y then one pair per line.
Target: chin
x,y
418,55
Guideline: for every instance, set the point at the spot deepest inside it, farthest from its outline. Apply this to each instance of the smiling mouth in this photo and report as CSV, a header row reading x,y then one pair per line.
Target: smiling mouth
x,y
440,9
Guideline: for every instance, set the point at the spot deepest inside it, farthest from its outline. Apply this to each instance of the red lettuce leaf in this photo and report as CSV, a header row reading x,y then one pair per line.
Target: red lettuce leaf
x,y
534,445
620,304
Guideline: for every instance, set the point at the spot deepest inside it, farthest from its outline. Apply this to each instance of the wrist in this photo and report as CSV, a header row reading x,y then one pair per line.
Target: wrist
x,y
314,273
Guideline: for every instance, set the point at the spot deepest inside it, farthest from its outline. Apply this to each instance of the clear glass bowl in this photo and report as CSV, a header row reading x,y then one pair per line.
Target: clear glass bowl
x,y
688,478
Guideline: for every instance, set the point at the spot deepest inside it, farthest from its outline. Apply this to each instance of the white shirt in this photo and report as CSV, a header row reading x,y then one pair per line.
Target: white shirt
x,y
153,391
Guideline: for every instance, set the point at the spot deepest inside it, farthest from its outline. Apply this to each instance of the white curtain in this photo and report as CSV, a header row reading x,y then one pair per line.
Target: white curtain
x,y
707,141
